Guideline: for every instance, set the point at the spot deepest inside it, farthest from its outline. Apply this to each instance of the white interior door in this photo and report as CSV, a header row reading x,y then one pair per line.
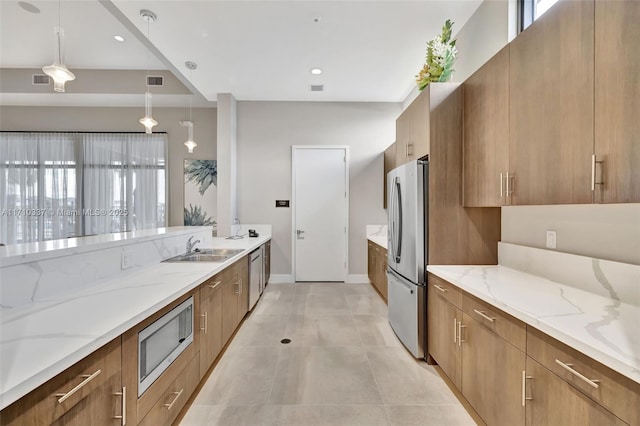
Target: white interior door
x,y
320,213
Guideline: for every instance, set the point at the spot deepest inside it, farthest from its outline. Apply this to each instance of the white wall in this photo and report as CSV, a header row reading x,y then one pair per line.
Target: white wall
x,y
266,132
121,119
607,231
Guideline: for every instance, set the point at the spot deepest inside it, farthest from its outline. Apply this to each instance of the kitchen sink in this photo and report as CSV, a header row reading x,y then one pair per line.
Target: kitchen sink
x,y
206,255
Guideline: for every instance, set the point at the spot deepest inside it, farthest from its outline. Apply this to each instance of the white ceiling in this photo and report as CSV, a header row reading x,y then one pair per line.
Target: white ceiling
x,y
257,50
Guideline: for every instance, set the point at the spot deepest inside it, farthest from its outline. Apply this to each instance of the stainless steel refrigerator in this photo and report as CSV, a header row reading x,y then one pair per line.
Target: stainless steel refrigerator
x,y
407,189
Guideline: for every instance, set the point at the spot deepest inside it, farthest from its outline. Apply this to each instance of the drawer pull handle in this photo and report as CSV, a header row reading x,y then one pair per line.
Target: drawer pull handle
x,y
177,394
123,394
442,289
590,382
460,339
455,330
524,387
87,379
484,315
205,316
214,285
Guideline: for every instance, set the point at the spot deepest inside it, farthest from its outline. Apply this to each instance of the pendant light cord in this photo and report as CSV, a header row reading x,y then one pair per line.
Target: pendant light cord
x,y
148,49
190,97
59,35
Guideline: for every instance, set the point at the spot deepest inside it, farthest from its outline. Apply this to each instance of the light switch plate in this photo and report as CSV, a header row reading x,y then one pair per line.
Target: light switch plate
x,y
551,239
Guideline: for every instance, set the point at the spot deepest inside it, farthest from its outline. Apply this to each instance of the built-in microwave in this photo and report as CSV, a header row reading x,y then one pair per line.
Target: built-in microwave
x,y
160,343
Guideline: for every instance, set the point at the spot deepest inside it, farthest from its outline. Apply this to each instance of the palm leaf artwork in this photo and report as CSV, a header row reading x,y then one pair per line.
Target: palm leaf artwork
x,y
201,172
193,216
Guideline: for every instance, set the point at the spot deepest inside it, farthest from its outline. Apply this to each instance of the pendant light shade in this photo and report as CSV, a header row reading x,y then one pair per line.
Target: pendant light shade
x,y
190,143
147,121
58,71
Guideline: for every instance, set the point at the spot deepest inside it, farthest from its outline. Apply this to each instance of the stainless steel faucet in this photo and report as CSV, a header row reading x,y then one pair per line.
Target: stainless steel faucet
x,y
191,245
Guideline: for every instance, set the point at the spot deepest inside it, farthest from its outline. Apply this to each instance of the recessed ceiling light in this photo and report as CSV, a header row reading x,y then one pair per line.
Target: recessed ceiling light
x,y
118,38
316,71
28,7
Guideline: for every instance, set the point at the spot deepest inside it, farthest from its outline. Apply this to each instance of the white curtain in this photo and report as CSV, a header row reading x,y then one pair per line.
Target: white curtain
x,y
37,186
123,176
58,185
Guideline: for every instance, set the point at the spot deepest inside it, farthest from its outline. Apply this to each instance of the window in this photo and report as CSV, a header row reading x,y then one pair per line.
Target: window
x,y
530,10
59,185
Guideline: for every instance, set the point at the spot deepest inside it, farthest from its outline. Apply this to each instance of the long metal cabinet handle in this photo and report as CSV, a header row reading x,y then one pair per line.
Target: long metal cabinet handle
x,y
590,382
442,289
177,394
455,330
214,285
594,161
205,316
399,198
484,315
392,221
501,186
460,327
524,388
123,394
87,379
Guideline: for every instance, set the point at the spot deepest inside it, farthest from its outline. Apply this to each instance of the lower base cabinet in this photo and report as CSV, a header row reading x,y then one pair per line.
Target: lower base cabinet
x,y
174,398
377,268
88,393
552,401
444,344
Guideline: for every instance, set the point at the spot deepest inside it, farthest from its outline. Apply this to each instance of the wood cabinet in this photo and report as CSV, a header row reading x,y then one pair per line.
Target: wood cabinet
x,y
377,268
389,164
551,400
617,101
267,262
551,106
486,134
174,397
444,346
210,328
235,297
88,393
491,374
414,126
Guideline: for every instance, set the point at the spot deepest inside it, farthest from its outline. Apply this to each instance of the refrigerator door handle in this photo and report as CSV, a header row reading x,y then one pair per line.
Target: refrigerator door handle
x,y
398,251
392,222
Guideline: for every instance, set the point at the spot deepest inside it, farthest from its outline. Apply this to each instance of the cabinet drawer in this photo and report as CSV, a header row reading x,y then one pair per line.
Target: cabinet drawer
x,y
615,392
56,397
208,288
446,290
501,323
165,411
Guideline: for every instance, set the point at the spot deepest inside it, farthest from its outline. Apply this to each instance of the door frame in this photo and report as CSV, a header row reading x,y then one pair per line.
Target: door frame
x,y
294,149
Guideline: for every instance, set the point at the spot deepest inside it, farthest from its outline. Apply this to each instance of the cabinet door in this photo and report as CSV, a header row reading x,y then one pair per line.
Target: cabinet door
x,y
242,279
551,105
443,345
389,164
419,126
371,261
383,274
617,101
229,307
491,375
267,262
211,323
403,124
486,133
554,401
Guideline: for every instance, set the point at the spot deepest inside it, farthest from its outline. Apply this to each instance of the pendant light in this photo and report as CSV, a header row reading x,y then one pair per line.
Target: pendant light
x,y
190,143
147,121
58,71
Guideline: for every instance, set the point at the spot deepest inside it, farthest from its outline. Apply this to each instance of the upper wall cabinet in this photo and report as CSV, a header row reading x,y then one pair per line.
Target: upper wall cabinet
x,y
617,102
552,107
413,125
486,134
389,164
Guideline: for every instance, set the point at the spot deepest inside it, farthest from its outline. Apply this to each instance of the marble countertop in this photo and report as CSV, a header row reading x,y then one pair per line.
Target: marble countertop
x,y
602,328
378,235
45,338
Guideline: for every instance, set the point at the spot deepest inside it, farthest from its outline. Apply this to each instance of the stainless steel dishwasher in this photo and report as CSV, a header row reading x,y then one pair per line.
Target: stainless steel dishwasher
x,y
256,276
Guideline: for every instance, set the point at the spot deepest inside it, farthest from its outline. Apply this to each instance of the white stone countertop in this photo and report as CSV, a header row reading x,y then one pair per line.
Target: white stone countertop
x,y
602,328
44,338
378,235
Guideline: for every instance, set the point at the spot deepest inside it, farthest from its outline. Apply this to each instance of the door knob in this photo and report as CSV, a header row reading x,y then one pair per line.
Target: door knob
x,y
299,234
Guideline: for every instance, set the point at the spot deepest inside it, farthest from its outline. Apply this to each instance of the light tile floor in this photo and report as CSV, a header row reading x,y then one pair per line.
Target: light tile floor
x,y
344,366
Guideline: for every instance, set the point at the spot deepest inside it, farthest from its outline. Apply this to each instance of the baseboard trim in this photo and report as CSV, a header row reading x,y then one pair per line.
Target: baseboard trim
x,y
357,279
280,278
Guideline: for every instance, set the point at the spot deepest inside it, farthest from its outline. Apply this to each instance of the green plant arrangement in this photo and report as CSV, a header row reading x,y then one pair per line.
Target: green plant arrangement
x,y
193,216
441,53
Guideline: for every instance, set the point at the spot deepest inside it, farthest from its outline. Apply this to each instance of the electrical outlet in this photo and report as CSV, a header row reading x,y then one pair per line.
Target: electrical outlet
x,y
551,239
126,259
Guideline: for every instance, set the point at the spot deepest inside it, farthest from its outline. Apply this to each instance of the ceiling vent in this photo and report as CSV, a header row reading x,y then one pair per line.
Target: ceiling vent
x,y
155,80
317,87
40,80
